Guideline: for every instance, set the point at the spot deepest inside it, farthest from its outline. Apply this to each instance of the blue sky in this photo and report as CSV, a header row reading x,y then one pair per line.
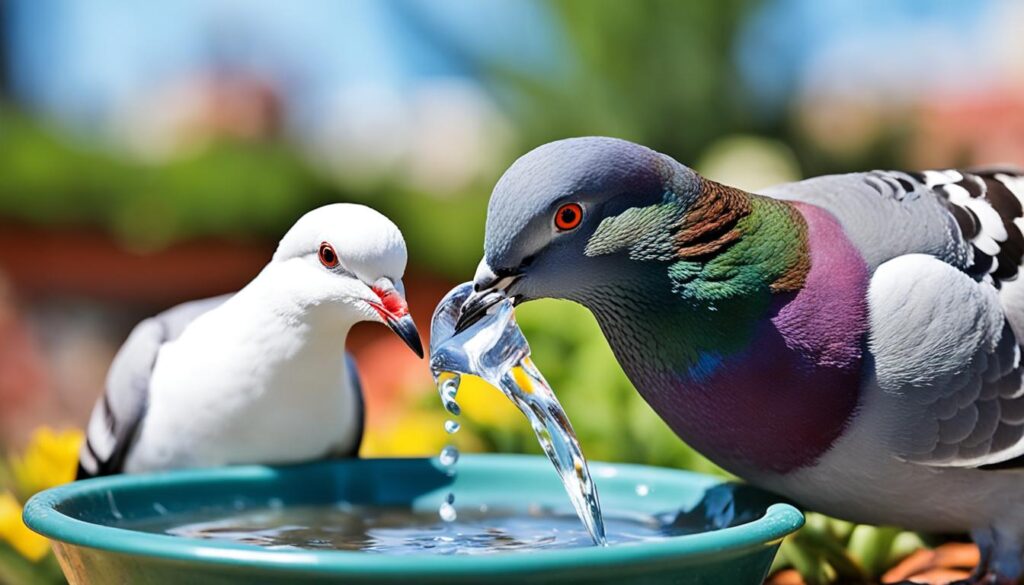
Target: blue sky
x,y
75,60
905,42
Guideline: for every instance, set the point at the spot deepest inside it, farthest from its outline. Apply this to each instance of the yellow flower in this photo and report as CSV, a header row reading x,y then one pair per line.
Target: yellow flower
x,y
12,530
421,433
414,434
482,403
49,461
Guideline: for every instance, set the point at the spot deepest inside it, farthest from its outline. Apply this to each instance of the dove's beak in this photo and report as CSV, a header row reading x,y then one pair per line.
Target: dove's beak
x,y
489,289
394,310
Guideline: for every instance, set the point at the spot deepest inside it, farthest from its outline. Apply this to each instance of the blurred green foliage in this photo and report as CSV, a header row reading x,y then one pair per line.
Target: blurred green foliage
x,y
17,570
229,189
660,73
827,550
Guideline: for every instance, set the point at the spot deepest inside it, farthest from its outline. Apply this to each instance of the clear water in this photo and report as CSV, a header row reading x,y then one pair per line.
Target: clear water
x,y
495,350
399,530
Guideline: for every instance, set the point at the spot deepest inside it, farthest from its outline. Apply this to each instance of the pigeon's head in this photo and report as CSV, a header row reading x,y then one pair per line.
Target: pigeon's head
x,y
546,208
345,262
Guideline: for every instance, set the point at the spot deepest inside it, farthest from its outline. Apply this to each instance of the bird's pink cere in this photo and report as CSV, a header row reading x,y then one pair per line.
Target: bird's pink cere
x,y
391,303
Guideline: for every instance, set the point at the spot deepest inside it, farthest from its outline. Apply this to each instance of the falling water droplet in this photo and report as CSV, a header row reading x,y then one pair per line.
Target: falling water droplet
x,y
452,407
447,512
448,389
449,456
451,386
451,427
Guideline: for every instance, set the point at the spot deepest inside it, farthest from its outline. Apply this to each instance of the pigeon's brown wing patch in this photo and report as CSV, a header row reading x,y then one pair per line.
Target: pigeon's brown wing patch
x,y
116,417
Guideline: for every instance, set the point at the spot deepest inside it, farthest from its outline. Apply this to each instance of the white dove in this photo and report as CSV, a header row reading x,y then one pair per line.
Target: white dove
x,y
259,376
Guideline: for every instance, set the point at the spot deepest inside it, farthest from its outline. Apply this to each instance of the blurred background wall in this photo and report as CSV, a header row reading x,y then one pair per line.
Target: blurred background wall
x,y
154,152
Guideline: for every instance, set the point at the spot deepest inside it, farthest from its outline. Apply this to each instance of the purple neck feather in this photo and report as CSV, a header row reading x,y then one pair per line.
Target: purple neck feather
x,y
779,403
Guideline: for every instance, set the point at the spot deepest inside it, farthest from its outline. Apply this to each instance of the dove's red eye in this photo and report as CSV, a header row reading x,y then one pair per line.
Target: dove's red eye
x,y
568,216
328,257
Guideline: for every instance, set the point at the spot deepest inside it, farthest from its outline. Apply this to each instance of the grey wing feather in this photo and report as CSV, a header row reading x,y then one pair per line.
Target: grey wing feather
x,y
947,310
971,220
948,365
884,219
116,417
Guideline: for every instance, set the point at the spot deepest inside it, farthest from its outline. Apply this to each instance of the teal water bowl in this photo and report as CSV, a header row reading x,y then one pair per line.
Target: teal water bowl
x,y
87,522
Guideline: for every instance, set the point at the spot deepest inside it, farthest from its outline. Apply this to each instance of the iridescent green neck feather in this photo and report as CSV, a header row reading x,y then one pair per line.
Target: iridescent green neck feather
x,y
734,244
725,243
722,257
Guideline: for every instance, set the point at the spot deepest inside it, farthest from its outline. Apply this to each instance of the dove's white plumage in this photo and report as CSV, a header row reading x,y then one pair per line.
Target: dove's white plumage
x,y
260,376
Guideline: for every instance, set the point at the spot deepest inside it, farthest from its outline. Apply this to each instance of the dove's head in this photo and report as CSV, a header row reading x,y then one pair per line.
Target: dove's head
x,y
548,231
344,263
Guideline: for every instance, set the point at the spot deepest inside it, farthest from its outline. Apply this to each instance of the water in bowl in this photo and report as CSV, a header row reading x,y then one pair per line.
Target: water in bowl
x,y
495,349
402,530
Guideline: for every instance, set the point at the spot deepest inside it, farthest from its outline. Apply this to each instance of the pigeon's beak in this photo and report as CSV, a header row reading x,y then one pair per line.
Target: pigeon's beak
x,y
489,289
395,312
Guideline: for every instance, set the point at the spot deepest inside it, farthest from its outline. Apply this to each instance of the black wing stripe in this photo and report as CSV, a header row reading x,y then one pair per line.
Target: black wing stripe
x,y
968,222
972,185
997,257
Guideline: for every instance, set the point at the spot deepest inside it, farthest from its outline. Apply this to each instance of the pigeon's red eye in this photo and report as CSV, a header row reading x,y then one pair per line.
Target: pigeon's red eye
x,y
568,216
327,255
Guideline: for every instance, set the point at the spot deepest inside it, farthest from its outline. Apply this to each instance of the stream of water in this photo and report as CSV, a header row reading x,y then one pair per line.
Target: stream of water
x,y
495,349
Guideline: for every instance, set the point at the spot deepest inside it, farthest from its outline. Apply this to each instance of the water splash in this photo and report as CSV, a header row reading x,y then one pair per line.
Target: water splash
x,y
495,350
